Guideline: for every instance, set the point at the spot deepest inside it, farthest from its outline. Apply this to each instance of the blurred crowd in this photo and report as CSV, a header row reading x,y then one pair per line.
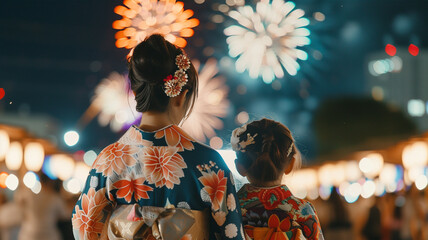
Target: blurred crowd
x,y
393,216
46,215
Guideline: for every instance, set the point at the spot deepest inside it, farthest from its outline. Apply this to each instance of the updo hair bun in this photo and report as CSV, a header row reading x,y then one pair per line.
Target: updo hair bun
x,y
152,61
267,159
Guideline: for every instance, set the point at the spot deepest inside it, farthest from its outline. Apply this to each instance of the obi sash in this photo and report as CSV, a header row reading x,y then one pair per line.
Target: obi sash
x,y
147,222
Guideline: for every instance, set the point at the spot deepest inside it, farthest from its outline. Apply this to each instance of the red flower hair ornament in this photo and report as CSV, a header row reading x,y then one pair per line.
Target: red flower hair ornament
x,y
174,84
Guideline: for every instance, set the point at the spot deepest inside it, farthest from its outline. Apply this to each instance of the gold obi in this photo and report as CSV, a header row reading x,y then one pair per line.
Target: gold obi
x,y
135,222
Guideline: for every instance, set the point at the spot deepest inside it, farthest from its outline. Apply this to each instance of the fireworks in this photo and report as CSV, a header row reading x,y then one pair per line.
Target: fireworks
x,y
211,104
114,102
267,38
142,18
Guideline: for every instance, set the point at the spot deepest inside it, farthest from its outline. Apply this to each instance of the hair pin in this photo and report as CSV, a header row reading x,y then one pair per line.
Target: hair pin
x,y
174,84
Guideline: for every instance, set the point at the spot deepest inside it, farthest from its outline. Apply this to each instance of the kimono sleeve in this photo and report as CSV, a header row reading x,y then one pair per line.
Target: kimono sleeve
x,y
317,232
219,191
92,209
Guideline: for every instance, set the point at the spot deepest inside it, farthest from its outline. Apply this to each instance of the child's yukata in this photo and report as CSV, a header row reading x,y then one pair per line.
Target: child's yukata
x,y
274,213
135,180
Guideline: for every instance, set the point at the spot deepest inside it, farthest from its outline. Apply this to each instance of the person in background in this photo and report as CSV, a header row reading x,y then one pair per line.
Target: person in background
x,y
372,229
339,226
157,181
266,151
41,212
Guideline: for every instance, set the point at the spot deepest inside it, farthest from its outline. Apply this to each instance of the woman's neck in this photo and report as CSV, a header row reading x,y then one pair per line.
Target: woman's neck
x,y
152,121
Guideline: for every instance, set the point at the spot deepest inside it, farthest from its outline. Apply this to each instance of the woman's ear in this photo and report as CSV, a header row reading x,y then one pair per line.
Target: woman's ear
x,y
179,100
290,166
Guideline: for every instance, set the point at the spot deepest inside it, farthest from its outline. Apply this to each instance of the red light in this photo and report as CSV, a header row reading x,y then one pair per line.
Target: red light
x,y
3,177
413,49
390,50
2,93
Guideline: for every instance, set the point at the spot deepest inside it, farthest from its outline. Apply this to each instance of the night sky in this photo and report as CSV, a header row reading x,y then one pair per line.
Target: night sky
x,y
54,53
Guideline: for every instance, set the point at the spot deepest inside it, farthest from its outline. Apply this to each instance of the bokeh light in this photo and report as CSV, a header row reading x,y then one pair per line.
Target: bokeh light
x,y
413,50
390,49
12,182
142,18
242,118
62,166
368,189
421,182
216,142
14,156
71,138
89,157
3,177
267,37
4,144
352,193
30,179
371,165
37,187
33,156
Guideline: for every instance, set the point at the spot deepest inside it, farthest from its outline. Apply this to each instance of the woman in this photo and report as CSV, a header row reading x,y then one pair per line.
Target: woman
x,y
41,212
156,182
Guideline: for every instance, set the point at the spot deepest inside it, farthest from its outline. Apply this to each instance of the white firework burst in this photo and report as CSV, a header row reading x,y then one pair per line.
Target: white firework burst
x,y
211,105
142,18
267,37
114,102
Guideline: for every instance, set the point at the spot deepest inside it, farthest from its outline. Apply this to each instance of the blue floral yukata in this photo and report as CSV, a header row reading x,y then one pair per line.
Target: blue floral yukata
x,y
166,168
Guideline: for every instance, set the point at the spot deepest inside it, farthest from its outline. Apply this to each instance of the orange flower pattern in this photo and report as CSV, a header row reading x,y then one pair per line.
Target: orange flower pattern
x,y
134,186
176,137
215,186
163,166
87,218
285,216
115,158
134,137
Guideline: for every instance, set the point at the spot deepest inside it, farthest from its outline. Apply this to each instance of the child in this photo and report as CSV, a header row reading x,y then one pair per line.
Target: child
x,y
265,151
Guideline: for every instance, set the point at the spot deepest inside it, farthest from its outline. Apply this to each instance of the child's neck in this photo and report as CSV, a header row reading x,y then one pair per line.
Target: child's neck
x,y
274,183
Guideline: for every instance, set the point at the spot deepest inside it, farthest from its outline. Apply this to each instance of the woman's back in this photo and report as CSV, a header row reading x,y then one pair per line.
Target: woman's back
x,y
165,169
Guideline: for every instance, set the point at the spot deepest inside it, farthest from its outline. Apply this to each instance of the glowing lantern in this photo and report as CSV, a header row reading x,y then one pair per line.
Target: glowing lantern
x,y
415,155
14,156
325,175
4,144
62,166
338,174
34,156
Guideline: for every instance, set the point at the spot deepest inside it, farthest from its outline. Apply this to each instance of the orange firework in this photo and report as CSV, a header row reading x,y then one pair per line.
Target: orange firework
x,y
142,18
